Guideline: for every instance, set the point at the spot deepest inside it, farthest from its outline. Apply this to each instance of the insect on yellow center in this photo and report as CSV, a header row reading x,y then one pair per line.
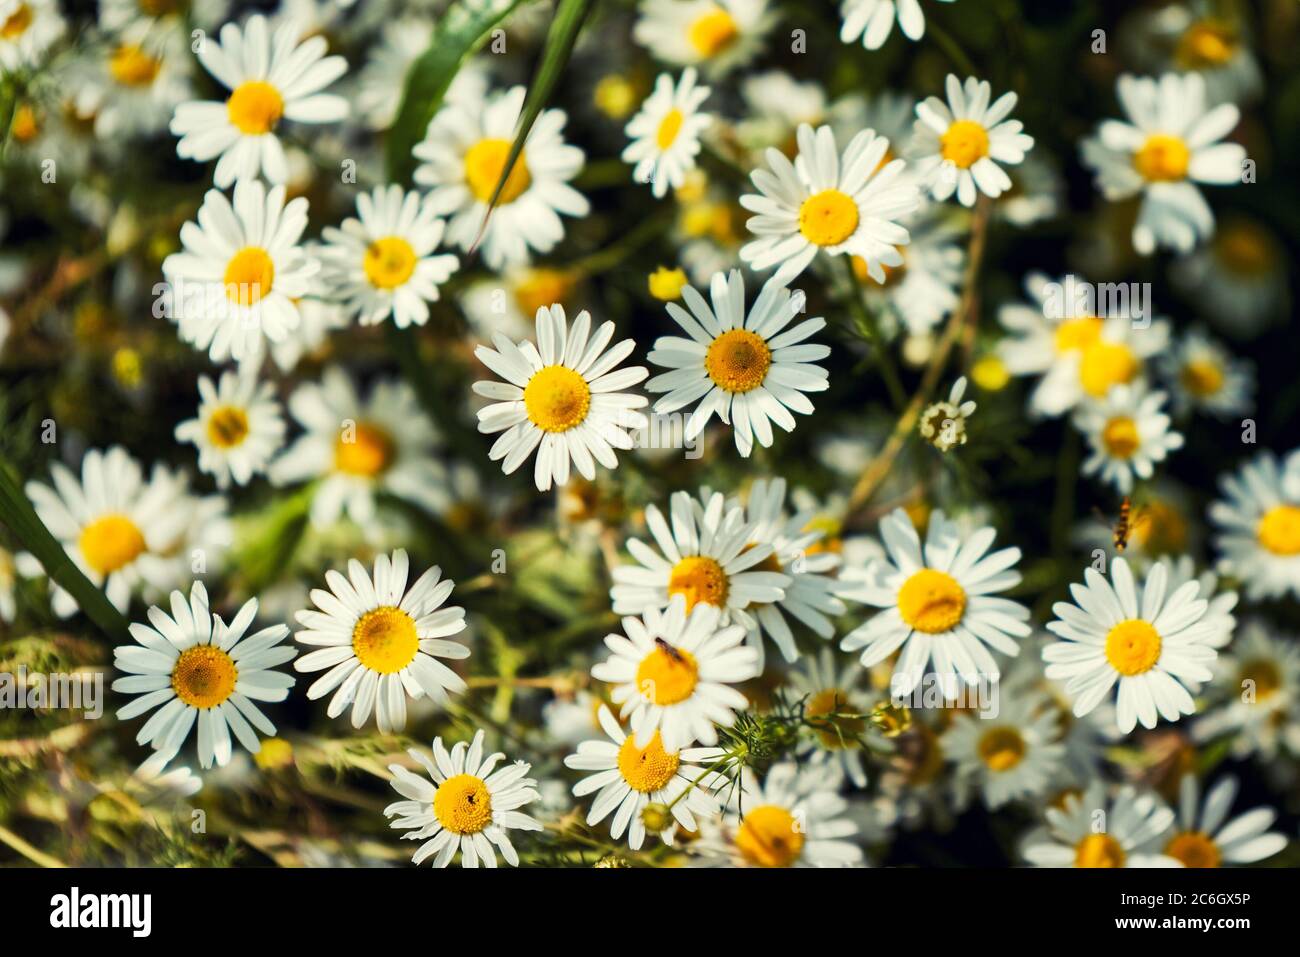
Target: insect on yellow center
x,y
769,837
1133,647
484,164
1077,334
557,399
110,543
965,143
828,218
1001,749
931,601
1206,44
646,769
255,107
385,639
542,287
17,23
713,32
1098,850
669,127
227,426
389,262
829,709
365,450
699,579
1194,849
667,677
204,676
250,275
462,804
1162,159
1264,677
1106,364
1279,530
1120,436
129,65
738,360
1202,377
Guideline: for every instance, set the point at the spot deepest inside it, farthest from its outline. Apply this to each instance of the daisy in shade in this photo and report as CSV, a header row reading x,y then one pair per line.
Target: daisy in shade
x,y
962,145
832,703
872,20
1256,695
382,264
665,133
646,789
1150,641
1204,376
1090,831
380,641
1203,836
238,428
671,673
132,87
924,289
562,398
1128,433
196,669
939,602
1258,521
751,369
1167,144
271,77
236,282
27,29
715,35
464,154
1013,756
828,202
469,806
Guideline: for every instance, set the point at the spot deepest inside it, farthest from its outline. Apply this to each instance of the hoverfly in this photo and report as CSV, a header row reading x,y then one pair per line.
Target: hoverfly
x,y
1129,518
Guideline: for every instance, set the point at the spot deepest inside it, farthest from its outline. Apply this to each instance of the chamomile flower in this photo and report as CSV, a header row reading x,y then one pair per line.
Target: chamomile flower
x,y
1167,144
469,806
1149,641
238,428
672,672
872,20
1128,433
1090,831
962,145
382,264
464,154
1195,37
561,398
382,80
1204,376
649,788
271,77
135,82
1203,835
750,369
1258,521
1256,694
833,703
943,423
1011,756
665,133
196,669
828,202
235,283
380,641
1237,280
715,35
921,291
27,29
776,105
939,602
1219,618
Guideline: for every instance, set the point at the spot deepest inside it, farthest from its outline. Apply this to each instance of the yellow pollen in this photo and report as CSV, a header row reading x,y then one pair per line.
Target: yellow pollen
x,y
542,287
385,639
1202,377
369,452
738,360
666,284
250,275
990,373
1120,436
713,32
389,262
1206,44
669,127
931,601
646,769
700,579
1105,364
1194,849
825,708
828,218
1279,530
204,676
17,23
965,143
769,837
615,96
131,66
1263,674
275,754
1162,159
462,804
557,399
255,107
667,677
1099,850
1001,748
485,162
1078,333
1133,647
26,127
227,426
111,542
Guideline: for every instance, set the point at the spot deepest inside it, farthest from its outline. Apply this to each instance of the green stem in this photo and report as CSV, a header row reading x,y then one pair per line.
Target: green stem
x,y
952,48
867,324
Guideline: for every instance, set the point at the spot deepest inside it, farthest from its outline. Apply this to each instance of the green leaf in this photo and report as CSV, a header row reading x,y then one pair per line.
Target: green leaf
x,y
459,33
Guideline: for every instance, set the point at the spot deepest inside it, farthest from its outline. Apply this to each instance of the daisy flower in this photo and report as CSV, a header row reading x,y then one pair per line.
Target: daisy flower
x,y
1151,641
715,35
776,104
828,202
1128,433
750,369
27,29
665,133
382,80
672,674
1167,144
238,428
1204,376
1089,831
872,20
943,423
1203,836
831,697
196,669
1237,280
562,398
464,154
469,806
271,77
1012,756
646,789
380,641
359,449
235,284
382,264
134,84
959,145
1258,522
1218,616
939,603
1256,695
924,288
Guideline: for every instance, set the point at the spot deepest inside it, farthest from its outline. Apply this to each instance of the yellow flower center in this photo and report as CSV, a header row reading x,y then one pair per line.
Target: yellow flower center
x,y
462,804
26,127
931,601
1244,249
1077,334
1206,43
700,579
1202,377
713,32
1194,849
1160,529
1120,436
389,262
1001,748
616,96
557,399
204,676
990,373
1279,530
646,769
666,284
1263,675
255,107
738,360
275,754
17,24
250,275
769,837
893,274
129,65
385,639
542,287
828,218
1105,364
965,143
159,8
484,164
227,426
1133,647
1162,159
1098,850
367,451
824,708
667,676
669,127
111,542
